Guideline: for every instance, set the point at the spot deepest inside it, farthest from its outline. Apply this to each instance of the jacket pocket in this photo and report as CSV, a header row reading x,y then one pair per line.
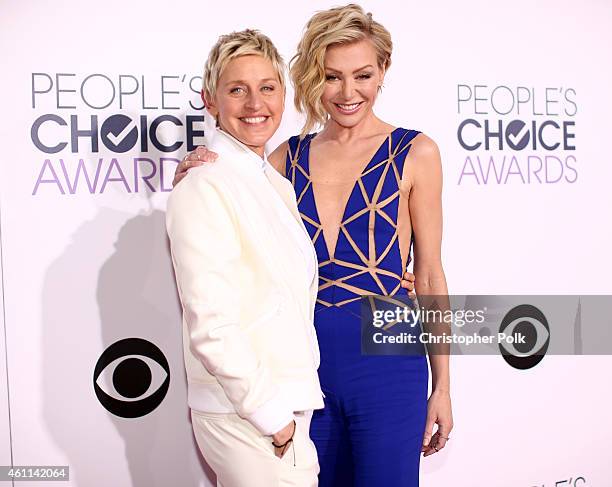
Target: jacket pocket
x,y
302,453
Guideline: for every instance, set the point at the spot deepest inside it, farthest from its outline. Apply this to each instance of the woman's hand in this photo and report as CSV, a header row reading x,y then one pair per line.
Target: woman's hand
x,y
438,412
408,283
282,438
195,158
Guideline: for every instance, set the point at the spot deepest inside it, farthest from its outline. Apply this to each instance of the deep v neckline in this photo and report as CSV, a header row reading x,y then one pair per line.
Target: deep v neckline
x,y
387,140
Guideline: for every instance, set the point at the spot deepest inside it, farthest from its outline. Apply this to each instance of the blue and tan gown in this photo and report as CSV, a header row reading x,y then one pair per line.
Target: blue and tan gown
x,y
371,429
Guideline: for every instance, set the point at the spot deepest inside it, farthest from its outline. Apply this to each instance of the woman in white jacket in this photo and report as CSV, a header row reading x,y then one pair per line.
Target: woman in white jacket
x,y
248,294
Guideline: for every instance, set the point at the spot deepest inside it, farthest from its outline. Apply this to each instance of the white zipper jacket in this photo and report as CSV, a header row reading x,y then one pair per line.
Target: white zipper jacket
x,y
246,272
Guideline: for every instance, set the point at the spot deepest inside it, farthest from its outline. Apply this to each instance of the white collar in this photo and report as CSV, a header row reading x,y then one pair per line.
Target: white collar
x,y
221,137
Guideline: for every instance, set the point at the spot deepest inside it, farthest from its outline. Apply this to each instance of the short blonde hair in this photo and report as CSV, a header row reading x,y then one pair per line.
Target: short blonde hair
x,y
340,25
243,43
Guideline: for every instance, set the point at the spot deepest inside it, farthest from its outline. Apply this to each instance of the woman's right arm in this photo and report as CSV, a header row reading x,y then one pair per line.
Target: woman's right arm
x,y
201,155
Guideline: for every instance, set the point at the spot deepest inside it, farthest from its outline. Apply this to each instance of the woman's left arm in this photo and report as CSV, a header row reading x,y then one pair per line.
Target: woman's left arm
x,y
424,176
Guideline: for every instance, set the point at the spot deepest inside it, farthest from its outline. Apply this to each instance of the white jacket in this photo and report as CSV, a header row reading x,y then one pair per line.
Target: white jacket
x,y
248,299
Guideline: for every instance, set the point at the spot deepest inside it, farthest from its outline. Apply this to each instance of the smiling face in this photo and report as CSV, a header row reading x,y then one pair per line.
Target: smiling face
x,y
248,101
352,79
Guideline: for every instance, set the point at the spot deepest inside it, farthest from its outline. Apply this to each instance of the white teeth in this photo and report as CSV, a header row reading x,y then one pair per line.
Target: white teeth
x,y
254,119
353,106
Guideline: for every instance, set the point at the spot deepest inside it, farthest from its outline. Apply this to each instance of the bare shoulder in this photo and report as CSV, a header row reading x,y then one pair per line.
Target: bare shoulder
x,y
424,149
278,156
423,161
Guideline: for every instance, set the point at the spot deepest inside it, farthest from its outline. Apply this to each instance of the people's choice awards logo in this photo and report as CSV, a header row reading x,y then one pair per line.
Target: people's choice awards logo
x,y
131,378
516,134
530,323
105,131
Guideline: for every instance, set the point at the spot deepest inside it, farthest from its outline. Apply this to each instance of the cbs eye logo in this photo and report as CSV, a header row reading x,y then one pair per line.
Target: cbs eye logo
x,y
131,378
529,322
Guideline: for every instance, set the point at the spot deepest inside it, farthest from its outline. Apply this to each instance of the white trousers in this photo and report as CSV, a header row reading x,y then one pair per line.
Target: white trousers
x,y
241,457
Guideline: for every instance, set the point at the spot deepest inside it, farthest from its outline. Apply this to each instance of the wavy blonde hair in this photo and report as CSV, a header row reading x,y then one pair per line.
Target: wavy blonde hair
x,y
236,44
340,25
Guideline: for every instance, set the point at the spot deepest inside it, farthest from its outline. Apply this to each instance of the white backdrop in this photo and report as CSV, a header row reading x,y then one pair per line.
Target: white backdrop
x,y
85,261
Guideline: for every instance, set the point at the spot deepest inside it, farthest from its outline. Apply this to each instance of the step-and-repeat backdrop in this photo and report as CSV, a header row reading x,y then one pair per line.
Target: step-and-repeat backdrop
x,y
100,101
